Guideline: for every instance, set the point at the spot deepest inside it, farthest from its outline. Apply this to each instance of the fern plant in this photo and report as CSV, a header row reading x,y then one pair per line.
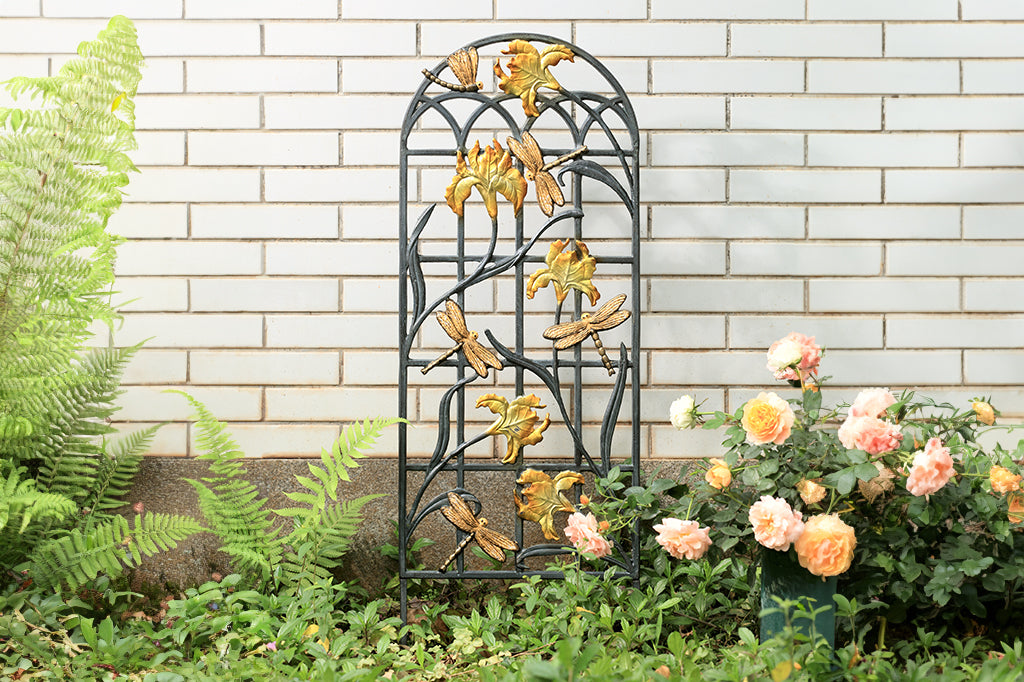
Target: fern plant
x,y
282,556
62,166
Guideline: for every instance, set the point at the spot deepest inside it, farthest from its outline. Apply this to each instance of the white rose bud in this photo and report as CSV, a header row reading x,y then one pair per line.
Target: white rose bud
x,y
785,354
683,412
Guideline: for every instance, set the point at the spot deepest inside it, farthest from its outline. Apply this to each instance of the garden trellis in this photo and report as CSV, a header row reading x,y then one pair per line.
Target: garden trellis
x,y
525,357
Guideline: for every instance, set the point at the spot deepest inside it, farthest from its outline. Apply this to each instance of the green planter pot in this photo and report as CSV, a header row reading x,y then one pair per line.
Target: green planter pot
x,y
782,576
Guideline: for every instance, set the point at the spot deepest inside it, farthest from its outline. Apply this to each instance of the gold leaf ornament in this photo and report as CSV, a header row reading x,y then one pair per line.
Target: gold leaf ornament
x,y
491,172
529,70
568,270
517,421
543,496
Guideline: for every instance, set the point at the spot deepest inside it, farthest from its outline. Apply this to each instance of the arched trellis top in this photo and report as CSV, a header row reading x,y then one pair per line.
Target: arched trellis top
x,y
606,146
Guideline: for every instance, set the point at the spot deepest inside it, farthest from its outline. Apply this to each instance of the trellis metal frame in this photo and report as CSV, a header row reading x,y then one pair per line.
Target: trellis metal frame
x,y
472,269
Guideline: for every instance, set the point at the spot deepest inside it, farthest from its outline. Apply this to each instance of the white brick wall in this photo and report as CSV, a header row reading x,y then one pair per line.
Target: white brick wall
x,y
853,170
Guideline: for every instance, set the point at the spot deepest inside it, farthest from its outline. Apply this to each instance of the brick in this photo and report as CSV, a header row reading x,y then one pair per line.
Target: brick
x,y
440,38
683,258
954,40
264,221
275,74
46,36
806,113
578,9
654,40
370,295
156,367
150,221
169,441
727,9
973,331
682,331
402,76
198,38
333,184
727,75
714,368
953,186
380,148
884,222
260,9
373,222
882,149
760,332
284,294
20,8
330,404
163,76
992,77
631,75
994,367
806,40
955,113
906,10
348,39
723,222
991,9
374,368
263,367
152,293
281,440
993,222
675,112
224,148
151,403
726,295
335,112
894,368
950,259
805,186
676,185
104,9
993,149
332,331
884,295
21,65
166,330
884,77
670,443
159,149
195,184
788,258
151,257
403,9
187,112
994,295
727,149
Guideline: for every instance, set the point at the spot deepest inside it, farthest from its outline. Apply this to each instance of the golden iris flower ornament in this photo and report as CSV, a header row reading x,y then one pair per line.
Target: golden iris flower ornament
x,y
492,173
569,270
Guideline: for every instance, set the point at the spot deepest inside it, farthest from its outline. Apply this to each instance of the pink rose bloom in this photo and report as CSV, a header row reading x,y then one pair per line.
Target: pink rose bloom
x,y
583,532
683,539
931,469
597,545
872,402
776,525
870,434
810,356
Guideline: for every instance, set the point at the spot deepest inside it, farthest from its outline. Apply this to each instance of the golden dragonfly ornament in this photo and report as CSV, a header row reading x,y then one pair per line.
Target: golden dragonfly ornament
x,y
528,151
463,64
492,542
454,324
606,317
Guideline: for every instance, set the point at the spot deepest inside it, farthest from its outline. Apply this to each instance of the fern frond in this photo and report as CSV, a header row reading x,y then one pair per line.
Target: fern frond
x,y
117,467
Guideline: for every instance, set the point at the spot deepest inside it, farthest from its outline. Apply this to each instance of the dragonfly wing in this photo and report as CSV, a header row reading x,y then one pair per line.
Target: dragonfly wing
x,y
557,331
611,321
445,320
530,157
458,320
463,64
494,543
459,513
607,309
479,357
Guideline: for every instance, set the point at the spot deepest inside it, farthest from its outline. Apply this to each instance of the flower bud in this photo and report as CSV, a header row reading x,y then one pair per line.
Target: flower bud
x,y
719,475
985,413
683,413
811,492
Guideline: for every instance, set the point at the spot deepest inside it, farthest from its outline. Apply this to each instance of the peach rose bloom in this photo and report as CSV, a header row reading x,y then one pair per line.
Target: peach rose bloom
x,y
872,402
870,434
810,356
767,419
719,475
775,523
931,469
579,527
811,492
826,546
597,545
1003,480
1016,507
986,414
683,539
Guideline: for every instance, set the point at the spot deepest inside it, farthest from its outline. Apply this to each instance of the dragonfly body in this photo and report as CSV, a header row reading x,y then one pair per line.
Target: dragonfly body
x,y
463,518
453,322
607,316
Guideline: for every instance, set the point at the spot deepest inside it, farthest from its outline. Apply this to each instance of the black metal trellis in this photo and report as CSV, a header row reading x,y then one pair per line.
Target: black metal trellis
x,y
590,119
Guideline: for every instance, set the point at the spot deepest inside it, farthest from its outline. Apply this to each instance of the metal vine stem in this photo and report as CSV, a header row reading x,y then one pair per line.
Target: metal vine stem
x,y
590,119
